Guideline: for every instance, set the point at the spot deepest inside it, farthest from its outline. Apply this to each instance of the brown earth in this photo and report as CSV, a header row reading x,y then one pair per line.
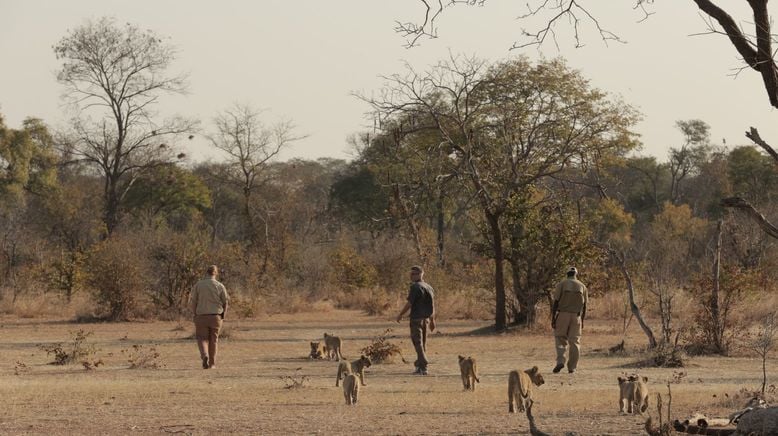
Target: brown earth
x,y
245,393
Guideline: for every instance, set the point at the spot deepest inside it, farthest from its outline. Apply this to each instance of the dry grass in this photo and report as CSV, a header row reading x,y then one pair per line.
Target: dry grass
x,y
246,393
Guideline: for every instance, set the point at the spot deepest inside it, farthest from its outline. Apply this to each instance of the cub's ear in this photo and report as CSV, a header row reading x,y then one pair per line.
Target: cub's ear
x,y
313,344
461,358
534,370
621,380
645,379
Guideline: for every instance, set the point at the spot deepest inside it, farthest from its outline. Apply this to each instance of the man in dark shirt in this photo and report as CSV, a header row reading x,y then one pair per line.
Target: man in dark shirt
x,y
421,302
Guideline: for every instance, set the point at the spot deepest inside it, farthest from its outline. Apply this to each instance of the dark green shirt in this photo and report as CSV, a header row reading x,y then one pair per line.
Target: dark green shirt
x,y
421,296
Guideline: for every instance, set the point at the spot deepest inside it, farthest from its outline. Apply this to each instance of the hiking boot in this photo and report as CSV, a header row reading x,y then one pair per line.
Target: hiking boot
x,y
423,372
205,363
558,368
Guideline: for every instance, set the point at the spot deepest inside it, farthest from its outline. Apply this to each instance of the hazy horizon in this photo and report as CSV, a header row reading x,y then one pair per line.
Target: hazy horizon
x,y
302,61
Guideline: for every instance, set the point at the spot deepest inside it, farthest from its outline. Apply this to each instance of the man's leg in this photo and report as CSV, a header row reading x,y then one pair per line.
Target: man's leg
x,y
214,327
425,324
560,339
574,335
417,332
201,335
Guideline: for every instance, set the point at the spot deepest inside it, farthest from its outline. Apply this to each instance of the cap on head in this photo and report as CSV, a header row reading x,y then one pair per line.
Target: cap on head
x,y
572,271
212,270
417,269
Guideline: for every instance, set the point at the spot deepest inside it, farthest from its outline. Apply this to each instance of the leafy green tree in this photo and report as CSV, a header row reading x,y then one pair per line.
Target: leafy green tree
x,y
27,170
507,127
27,160
166,192
543,238
358,197
687,160
752,174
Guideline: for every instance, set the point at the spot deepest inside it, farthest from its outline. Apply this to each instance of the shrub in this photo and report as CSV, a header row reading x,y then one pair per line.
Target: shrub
x,y
140,357
381,350
67,353
117,277
180,261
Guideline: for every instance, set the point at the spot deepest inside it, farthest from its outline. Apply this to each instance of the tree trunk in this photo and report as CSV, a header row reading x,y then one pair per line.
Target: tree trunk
x,y
499,271
526,298
718,328
441,228
620,259
111,217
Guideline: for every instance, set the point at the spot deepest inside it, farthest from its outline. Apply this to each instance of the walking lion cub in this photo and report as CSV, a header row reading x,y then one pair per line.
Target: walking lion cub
x,y
469,371
634,391
332,346
356,367
351,389
520,388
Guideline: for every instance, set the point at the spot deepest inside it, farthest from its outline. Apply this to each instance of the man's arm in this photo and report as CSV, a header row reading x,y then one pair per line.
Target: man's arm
x,y
404,309
432,317
193,300
225,301
554,313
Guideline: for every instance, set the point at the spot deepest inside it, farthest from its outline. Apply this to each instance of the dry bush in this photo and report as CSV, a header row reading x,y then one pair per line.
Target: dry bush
x,y
78,349
118,277
381,350
35,305
20,368
738,399
244,307
351,270
227,333
140,357
295,381
468,303
716,334
179,260
611,306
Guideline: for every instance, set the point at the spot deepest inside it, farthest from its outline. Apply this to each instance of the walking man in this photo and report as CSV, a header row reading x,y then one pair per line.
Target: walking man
x,y
208,301
568,313
421,302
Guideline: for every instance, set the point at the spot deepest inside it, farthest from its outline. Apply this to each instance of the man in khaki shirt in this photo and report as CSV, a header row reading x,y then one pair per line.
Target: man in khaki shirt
x,y
208,302
568,313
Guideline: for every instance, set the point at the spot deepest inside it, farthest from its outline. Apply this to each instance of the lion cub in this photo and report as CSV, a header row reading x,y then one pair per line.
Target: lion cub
x,y
350,389
469,372
317,350
634,391
356,367
332,345
520,387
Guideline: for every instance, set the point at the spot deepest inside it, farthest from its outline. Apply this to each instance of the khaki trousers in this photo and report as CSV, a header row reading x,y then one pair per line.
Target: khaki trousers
x,y
568,332
207,328
419,339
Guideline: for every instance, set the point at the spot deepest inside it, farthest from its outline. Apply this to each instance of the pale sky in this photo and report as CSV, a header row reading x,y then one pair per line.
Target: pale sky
x,y
302,59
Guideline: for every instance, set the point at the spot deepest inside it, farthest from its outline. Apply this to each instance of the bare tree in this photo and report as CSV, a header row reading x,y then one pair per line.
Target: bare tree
x,y
251,146
755,47
113,77
764,342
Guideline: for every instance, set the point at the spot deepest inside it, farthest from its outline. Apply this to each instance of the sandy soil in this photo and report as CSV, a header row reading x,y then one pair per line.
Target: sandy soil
x,y
245,393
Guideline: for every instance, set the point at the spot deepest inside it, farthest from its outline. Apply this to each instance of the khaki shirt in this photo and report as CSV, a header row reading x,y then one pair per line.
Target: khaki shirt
x,y
208,297
571,295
